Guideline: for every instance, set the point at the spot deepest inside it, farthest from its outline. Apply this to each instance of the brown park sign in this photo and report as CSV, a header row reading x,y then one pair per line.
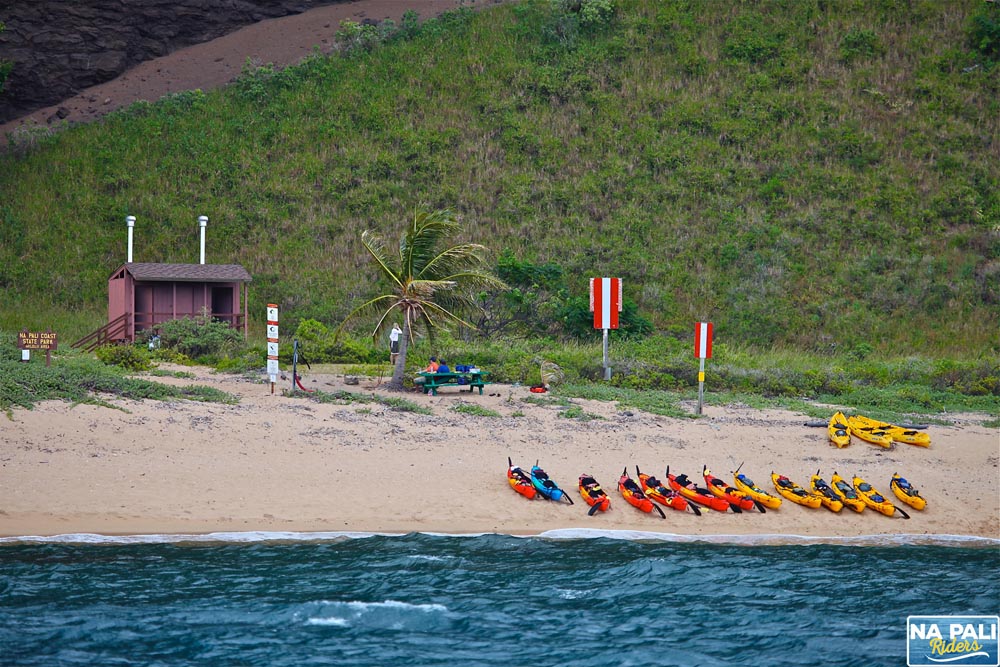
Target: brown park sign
x,y
36,340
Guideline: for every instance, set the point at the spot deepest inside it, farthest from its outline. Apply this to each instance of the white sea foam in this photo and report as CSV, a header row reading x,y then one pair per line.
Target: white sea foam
x,y
777,538
571,593
431,558
560,534
390,604
389,614
337,622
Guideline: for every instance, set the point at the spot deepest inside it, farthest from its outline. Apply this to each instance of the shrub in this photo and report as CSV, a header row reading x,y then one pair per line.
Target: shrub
x,y
590,13
859,43
199,337
984,31
129,357
319,345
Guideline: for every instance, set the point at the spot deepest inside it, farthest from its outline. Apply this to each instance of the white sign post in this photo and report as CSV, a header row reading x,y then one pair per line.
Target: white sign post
x,y
272,343
606,303
702,350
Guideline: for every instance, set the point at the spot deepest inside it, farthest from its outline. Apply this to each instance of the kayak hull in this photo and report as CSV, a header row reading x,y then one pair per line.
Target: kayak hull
x,y
847,494
636,499
838,430
911,497
730,494
545,486
661,494
520,481
795,493
708,500
872,498
593,494
897,433
747,486
864,431
828,497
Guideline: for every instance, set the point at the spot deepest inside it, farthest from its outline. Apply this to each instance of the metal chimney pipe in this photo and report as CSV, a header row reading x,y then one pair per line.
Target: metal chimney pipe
x,y
202,222
130,221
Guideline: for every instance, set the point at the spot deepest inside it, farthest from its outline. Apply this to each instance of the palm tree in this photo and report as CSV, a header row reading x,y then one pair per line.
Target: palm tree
x,y
431,281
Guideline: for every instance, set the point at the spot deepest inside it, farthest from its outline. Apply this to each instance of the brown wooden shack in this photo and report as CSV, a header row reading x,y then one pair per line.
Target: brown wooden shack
x,y
143,295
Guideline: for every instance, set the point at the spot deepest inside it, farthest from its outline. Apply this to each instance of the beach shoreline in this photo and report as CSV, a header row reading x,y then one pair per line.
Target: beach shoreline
x,y
279,464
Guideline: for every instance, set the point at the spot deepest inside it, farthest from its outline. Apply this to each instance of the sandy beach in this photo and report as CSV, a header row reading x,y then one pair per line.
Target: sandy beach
x,y
276,463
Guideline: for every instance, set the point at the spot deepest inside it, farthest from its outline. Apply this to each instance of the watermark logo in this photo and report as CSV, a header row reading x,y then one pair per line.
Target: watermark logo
x,y
932,641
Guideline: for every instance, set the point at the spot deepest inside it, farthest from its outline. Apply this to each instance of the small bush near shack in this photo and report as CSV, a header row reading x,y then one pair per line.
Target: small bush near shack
x,y
129,357
200,338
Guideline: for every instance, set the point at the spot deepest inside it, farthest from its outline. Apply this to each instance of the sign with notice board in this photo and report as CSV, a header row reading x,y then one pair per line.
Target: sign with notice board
x,y
36,340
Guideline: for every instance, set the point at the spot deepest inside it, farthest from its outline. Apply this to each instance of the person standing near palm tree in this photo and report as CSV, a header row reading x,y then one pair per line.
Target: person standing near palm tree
x,y
394,343
431,282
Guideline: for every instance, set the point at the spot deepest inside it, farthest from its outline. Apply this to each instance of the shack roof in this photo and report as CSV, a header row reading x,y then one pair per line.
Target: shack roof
x,y
202,273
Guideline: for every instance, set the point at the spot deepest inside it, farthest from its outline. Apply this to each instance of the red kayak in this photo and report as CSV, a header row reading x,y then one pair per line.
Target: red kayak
x,y
634,495
738,499
689,490
520,481
594,495
654,489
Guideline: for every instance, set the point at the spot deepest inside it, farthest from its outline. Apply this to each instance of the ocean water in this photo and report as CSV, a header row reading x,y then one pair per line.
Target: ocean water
x,y
559,599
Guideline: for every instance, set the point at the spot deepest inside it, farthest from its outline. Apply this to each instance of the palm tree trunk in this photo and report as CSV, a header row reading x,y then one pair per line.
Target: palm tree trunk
x,y
396,383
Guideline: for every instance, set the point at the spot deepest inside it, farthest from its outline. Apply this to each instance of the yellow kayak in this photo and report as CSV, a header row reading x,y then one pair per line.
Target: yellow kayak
x,y
747,486
794,492
898,433
847,494
876,500
905,492
840,432
868,433
830,500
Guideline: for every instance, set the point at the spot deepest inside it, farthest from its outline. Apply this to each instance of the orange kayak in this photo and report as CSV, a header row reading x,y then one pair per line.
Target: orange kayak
x,y
634,495
655,490
738,499
519,480
594,495
689,490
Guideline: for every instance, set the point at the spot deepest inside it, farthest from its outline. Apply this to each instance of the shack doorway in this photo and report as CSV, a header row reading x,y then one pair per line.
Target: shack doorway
x,y
222,304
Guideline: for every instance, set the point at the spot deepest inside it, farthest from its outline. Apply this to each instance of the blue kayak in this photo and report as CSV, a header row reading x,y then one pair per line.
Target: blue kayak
x,y
546,486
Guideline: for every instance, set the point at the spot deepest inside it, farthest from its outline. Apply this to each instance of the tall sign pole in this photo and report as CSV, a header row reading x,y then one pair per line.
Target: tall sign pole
x,y
272,343
606,303
702,350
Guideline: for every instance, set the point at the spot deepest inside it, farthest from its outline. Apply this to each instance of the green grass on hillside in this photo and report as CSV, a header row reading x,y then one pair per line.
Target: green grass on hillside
x,y
803,173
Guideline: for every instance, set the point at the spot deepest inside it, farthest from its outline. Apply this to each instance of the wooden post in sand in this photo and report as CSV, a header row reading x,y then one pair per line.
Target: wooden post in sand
x,y
272,343
702,350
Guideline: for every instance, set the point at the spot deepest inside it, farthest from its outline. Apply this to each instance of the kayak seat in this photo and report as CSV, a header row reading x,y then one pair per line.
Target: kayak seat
x,y
682,480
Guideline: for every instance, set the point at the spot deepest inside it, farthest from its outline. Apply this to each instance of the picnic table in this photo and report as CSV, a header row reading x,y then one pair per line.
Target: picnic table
x,y
470,379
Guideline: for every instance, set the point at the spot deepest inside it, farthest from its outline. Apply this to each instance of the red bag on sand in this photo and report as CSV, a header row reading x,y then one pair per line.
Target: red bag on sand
x,y
538,389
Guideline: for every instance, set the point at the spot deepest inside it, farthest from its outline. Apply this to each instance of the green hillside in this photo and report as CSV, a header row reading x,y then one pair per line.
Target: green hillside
x,y
809,173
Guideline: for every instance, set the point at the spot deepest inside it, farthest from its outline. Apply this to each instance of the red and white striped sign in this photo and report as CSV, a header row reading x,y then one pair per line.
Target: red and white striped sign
x,y
606,301
703,340
272,340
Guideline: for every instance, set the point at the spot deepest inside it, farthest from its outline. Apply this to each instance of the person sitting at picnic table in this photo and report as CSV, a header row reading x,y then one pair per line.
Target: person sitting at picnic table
x,y
443,367
431,368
